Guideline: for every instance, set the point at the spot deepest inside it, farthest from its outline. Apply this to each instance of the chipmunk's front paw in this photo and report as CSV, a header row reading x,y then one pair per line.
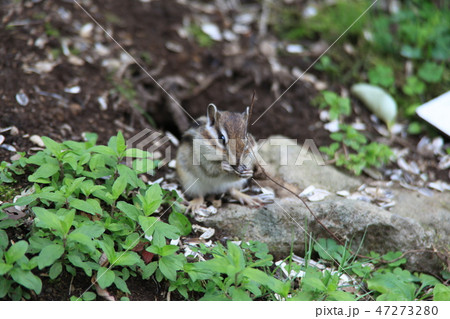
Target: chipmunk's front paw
x,y
227,167
245,199
195,204
246,173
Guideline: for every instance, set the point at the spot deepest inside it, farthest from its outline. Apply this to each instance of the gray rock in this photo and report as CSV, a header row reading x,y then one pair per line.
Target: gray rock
x,y
283,224
415,224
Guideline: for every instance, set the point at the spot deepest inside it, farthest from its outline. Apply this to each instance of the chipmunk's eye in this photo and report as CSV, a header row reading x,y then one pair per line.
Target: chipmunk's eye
x,y
222,139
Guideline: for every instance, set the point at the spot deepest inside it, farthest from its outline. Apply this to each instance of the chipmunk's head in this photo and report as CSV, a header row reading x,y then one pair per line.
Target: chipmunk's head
x,y
229,129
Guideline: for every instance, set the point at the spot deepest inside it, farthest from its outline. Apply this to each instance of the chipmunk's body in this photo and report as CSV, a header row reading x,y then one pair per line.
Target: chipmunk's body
x,y
215,157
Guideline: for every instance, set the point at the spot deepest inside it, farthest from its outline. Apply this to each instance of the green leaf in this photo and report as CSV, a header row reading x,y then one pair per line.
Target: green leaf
x,y
105,277
441,293
54,147
76,260
89,295
121,284
55,270
66,219
414,128
81,238
43,172
181,222
130,210
56,197
90,206
413,86
381,75
431,72
107,245
3,240
16,251
102,149
392,287
314,283
262,278
236,256
4,268
48,219
148,270
127,259
49,255
148,224
119,186
5,285
152,199
137,153
74,184
340,296
27,279
239,294
169,265
168,250
120,143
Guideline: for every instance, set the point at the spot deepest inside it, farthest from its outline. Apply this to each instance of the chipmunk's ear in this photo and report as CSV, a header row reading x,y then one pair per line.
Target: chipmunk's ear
x,y
246,118
247,112
211,114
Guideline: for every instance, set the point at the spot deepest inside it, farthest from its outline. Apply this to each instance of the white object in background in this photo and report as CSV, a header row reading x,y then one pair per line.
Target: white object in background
x,y
437,112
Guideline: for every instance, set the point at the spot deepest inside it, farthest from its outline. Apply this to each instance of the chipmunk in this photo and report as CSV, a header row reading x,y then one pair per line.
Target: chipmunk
x,y
215,157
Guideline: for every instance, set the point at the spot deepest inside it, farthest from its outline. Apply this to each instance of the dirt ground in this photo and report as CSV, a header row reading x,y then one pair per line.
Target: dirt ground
x,y
46,50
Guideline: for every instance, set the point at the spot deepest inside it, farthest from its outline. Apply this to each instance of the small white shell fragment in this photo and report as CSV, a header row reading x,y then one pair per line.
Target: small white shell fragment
x,y
343,193
359,126
175,241
173,139
245,18
309,12
103,105
2,139
315,194
409,167
22,98
440,186
65,46
308,190
212,31
241,28
44,66
8,147
37,140
292,273
319,194
332,126
209,232
14,131
174,47
172,163
73,90
230,35
73,59
295,48
324,115
397,128
86,30
101,49
444,162
378,101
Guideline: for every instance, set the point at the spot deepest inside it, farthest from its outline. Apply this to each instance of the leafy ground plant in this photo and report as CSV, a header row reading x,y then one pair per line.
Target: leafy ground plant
x,y
351,148
91,215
